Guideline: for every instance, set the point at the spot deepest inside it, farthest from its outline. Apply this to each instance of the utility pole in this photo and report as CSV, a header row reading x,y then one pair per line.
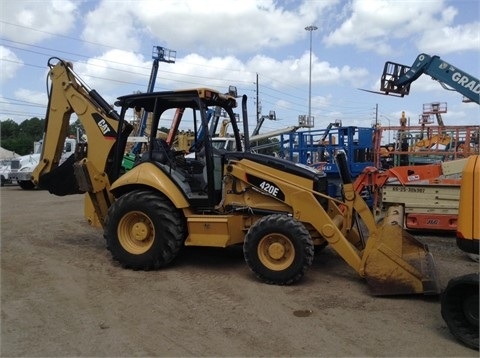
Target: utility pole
x,y
258,102
310,29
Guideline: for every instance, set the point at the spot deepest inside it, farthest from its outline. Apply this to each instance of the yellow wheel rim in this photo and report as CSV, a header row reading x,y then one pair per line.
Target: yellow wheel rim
x,y
276,252
136,232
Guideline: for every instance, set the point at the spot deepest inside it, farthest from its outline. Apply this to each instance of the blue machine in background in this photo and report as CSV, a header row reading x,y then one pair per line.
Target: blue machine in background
x,y
317,148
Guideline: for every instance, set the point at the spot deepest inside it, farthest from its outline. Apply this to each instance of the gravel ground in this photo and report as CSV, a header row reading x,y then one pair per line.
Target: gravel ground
x,y
62,295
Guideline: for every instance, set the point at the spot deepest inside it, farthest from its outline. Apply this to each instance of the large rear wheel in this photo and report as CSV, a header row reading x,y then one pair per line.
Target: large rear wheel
x,y
144,231
278,249
460,308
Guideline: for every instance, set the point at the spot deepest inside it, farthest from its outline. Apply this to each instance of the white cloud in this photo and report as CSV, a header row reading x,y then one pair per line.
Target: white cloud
x,y
321,101
32,97
216,27
382,26
114,68
279,104
113,23
12,106
10,64
214,71
34,21
296,71
451,39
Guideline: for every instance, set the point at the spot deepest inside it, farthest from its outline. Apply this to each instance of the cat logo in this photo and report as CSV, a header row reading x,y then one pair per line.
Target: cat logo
x,y
103,125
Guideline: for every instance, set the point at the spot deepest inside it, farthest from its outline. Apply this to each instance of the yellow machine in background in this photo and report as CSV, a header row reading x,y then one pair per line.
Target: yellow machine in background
x,y
279,211
468,229
460,300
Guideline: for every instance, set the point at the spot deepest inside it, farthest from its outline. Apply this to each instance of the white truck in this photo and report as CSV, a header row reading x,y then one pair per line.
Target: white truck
x,y
5,165
21,168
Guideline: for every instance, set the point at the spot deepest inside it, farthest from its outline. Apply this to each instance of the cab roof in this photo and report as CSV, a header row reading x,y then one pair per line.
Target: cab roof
x,y
187,98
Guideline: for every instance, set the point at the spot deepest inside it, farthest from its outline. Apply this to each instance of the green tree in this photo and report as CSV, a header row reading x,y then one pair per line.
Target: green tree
x,y
8,128
20,145
20,137
33,128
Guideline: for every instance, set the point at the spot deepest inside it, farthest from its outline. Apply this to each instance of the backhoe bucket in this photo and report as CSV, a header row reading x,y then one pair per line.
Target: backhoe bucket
x,y
396,263
61,180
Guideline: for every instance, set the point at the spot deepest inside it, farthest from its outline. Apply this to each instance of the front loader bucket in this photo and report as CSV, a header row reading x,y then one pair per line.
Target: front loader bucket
x,y
395,262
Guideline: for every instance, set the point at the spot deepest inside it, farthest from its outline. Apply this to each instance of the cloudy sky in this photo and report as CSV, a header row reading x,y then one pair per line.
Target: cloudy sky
x,y
246,43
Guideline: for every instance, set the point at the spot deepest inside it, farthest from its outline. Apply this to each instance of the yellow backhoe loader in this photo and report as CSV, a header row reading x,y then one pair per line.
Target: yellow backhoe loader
x,y
279,211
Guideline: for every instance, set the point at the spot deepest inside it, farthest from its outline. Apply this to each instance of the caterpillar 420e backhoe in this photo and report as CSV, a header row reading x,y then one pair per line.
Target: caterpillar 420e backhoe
x,y
277,210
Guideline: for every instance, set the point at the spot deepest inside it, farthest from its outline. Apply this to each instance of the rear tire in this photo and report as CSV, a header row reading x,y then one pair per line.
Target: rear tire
x,y
144,230
278,249
459,304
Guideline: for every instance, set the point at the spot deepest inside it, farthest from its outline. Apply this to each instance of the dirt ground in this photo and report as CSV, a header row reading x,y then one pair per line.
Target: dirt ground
x,y
62,295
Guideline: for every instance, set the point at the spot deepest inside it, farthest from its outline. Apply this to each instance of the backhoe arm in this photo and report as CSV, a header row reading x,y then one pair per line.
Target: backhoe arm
x,y
101,157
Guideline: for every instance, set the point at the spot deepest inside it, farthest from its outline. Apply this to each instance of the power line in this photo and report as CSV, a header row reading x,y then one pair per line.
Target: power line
x,y
19,100
26,114
25,104
55,34
227,81
267,92
99,44
116,62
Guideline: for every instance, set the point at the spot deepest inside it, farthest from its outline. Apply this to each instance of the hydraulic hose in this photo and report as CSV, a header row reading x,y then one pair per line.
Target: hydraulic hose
x,y
342,164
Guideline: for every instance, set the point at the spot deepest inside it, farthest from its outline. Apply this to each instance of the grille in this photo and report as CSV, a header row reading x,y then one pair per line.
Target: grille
x,y
15,164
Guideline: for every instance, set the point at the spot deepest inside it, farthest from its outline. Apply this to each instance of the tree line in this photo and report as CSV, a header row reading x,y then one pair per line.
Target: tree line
x,y
19,137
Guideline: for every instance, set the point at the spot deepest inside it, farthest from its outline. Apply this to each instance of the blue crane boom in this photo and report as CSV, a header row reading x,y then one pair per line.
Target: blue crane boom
x,y
396,79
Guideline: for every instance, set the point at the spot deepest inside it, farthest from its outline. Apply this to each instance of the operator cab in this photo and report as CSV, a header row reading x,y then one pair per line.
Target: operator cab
x,y
195,169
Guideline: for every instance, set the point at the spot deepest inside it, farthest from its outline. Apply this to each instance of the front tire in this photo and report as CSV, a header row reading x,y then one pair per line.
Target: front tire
x,y
278,249
459,307
144,230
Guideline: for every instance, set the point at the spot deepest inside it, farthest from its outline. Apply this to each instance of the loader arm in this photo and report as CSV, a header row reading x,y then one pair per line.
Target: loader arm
x,y
95,165
334,223
391,260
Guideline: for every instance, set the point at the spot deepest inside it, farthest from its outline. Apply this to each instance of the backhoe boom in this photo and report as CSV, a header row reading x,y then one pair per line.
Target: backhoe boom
x,y
106,136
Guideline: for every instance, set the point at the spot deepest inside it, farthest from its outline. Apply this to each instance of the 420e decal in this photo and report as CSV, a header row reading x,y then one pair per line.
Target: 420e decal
x,y
266,186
